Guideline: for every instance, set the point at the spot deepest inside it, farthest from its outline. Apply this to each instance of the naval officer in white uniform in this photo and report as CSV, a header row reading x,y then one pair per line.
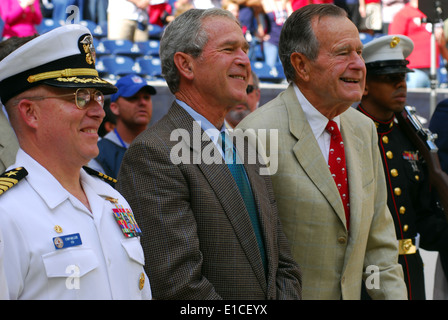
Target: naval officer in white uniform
x,y
67,233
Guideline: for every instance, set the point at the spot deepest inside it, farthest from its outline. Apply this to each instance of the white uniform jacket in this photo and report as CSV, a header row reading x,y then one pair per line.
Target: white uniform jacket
x,y
96,260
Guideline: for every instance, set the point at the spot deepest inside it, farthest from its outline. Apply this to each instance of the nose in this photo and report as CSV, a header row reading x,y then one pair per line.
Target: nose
x,y
95,110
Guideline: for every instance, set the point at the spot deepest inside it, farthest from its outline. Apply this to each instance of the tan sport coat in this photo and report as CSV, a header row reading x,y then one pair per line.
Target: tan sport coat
x,y
333,260
8,143
197,236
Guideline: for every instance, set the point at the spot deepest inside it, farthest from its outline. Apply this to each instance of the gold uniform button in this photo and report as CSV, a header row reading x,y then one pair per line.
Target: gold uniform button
x,y
417,177
394,173
397,191
141,281
405,228
385,139
389,155
402,210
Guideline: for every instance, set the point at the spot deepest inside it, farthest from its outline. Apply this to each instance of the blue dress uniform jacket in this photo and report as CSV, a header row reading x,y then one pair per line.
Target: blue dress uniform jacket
x,y
411,202
55,248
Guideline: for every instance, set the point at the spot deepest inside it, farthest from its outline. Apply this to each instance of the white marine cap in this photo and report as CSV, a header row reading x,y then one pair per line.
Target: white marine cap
x,y
387,54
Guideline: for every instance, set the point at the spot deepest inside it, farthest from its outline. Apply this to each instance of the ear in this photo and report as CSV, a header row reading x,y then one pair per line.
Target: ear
x,y
29,112
114,108
184,64
300,63
366,90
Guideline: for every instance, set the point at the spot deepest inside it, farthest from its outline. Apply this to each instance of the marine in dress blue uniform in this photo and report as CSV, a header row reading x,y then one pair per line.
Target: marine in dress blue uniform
x,y
61,244
411,201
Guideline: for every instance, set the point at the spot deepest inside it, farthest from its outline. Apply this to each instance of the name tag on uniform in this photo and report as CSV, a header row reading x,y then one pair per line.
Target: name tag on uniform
x,y
67,241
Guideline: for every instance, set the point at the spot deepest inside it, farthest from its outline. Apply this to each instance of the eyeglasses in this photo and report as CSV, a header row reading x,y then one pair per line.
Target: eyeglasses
x,y
82,97
250,88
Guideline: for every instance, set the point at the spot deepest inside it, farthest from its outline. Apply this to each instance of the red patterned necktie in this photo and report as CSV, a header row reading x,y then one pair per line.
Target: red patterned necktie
x,y
336,163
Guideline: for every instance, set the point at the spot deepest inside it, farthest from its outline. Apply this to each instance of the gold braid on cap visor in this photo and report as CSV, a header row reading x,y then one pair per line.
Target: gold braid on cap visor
x,y
62,73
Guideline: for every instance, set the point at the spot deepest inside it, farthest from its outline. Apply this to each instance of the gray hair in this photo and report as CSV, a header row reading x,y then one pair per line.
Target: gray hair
x,y
185,34
297,34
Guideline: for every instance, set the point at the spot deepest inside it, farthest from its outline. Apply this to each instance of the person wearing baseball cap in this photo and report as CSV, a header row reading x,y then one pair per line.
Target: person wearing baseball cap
x,y
62,223
409,198
132,107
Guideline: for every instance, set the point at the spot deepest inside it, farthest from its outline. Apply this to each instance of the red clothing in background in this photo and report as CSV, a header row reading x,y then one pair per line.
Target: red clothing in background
x,y
408,22
19,22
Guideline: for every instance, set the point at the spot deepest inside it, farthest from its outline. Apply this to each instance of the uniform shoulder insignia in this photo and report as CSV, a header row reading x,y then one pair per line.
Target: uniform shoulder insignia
x,y
100,175
10,178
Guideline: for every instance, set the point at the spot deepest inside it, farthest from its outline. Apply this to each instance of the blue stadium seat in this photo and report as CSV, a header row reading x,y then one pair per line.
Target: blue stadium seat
x,y
149,67
46,25
267,74
155,31
149,48
121,47
115,66
365,37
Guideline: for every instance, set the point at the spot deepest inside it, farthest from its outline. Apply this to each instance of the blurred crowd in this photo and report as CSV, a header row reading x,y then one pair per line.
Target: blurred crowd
x,y
261,20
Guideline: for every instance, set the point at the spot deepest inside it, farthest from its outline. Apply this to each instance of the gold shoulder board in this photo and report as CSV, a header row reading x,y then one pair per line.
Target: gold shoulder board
x,y
100,175
10,178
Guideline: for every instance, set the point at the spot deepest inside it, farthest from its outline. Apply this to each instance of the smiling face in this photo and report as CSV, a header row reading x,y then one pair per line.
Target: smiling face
x,y
336,78
222,71
70,132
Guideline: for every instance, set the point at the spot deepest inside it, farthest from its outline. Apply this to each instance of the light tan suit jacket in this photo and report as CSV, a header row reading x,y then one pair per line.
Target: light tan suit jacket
x,y
333,260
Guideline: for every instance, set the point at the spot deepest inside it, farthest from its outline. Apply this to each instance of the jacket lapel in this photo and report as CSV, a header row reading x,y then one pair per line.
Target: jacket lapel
x,y
309,155
221,181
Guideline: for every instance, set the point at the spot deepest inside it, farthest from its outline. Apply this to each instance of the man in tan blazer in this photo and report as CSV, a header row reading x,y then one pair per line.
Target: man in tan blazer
x,y
321,54
198,239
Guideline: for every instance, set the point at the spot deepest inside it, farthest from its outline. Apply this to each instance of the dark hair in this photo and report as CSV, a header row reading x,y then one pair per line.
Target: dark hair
x,y
9,45
297,34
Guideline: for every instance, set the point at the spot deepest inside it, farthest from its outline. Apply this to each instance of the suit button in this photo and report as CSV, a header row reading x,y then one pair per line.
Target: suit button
x,y
342,240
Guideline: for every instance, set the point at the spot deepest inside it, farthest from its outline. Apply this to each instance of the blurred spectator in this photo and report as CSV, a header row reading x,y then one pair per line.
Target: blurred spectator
x,y
232,6
249,17
409,21
389,9
109,121
96,11
132,107
356,10
239,112
297,4
276,13
180,6
20,17
160,12
128,19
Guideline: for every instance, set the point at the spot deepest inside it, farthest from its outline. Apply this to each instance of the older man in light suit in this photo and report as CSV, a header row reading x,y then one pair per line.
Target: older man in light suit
x,y
336,246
